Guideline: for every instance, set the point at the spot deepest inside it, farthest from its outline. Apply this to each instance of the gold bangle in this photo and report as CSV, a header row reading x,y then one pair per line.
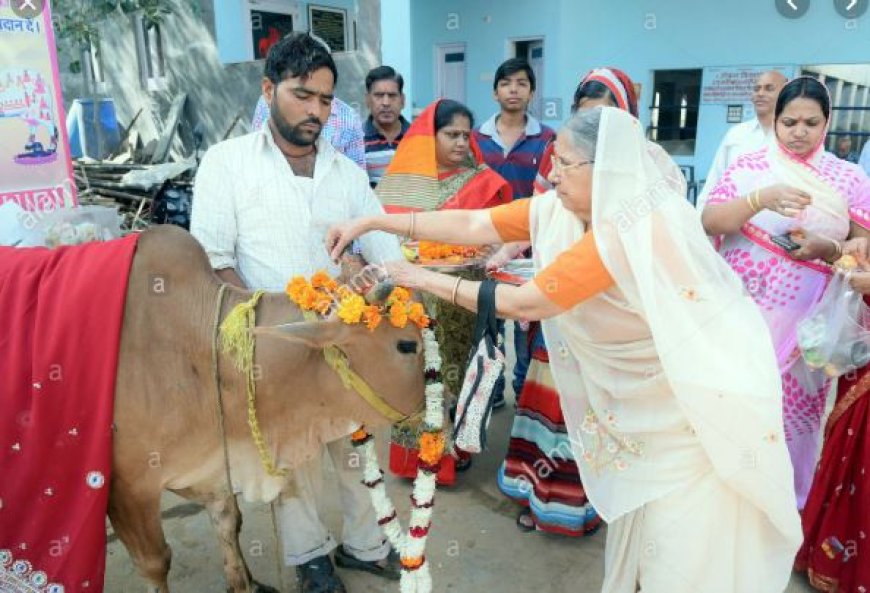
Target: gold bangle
x,y
411,224
753,202
455,289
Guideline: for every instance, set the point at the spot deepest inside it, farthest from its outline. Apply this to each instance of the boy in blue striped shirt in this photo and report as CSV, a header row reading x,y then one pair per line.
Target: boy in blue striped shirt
x,y
513,142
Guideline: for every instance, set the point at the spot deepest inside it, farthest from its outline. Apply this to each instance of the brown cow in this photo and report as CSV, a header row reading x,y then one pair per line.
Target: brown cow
x,y
167,429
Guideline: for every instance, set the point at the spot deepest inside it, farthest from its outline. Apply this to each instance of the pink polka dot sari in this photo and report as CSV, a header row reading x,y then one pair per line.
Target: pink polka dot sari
x,y
785,289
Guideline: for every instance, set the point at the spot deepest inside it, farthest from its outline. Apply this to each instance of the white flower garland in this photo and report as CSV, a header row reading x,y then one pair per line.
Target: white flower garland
x,y
411,546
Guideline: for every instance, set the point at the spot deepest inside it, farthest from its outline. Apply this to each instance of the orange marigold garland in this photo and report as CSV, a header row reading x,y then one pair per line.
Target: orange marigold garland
x,y
323,294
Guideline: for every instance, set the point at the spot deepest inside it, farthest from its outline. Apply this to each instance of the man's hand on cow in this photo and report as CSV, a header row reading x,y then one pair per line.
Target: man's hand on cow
x,y
340,235
406,274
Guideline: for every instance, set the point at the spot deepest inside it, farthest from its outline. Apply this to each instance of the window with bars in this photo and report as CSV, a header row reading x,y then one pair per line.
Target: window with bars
x,y
849,86
152,60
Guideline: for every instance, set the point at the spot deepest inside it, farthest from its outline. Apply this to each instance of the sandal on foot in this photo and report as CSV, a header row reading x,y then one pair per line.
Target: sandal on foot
x,y
525,521
388,568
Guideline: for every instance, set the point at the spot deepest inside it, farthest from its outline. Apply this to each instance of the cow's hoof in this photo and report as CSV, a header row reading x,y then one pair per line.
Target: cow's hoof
x,y
261,588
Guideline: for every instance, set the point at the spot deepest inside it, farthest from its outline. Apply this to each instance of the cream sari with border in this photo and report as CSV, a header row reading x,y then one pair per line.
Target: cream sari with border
x,y
669,384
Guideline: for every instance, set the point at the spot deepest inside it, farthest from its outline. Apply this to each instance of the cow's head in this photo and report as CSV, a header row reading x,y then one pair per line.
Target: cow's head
x,y
389,359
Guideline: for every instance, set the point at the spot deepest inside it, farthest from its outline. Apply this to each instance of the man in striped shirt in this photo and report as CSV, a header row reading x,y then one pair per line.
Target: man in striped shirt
x,y
385,127
513,142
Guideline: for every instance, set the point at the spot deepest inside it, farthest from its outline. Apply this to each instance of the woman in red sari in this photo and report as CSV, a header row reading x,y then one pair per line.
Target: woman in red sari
x,y
836,519
439,166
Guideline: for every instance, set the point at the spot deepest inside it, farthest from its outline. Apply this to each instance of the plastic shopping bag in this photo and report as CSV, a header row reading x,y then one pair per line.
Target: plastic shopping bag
x,y
834,337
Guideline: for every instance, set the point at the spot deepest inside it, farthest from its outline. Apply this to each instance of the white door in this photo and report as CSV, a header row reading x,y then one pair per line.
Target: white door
x,y
536,61
450,71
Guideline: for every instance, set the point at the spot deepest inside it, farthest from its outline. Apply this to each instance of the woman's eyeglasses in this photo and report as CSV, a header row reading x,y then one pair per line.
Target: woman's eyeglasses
x,y
559,167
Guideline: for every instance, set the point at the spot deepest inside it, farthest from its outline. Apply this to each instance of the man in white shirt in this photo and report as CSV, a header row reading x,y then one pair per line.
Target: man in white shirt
x,y
749,136
262,205
864,160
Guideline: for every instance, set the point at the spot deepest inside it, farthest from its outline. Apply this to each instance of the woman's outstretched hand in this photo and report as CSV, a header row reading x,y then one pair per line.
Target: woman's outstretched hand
x,y
340,235
405,274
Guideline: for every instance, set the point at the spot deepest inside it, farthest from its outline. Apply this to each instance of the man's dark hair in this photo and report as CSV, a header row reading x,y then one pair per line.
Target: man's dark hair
x,y
297,55
384,73
511,67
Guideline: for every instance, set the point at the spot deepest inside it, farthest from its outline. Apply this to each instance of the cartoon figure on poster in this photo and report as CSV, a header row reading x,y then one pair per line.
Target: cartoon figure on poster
x,y
27,110
35,166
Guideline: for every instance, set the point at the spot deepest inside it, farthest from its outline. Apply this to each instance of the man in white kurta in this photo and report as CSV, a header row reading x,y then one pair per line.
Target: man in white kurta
x,y
262,205
749,136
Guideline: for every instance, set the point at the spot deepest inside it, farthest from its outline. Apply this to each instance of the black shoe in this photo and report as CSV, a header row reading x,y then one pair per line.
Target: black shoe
x,y
391,569
318,576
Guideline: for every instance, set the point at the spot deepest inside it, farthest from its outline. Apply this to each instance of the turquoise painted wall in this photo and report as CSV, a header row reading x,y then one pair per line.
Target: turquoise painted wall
x,y
639,36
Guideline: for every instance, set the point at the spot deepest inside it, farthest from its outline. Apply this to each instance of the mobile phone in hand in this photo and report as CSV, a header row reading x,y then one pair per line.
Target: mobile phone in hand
x,y
785,241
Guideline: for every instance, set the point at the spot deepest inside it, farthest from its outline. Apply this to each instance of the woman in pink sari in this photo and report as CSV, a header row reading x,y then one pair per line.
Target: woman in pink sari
x,y
792,189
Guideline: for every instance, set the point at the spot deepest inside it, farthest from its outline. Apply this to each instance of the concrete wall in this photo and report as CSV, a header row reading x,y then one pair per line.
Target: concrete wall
x,y
639,36
217,90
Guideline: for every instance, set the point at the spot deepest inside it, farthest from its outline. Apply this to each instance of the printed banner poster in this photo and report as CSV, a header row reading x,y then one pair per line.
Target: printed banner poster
x,y
732,85
35,166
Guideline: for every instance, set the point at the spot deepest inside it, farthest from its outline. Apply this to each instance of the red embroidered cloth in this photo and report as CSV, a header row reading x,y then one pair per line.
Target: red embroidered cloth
x,y
62,314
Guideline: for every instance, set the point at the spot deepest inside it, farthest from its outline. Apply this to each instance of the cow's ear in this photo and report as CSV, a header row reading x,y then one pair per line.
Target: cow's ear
x,y
315,334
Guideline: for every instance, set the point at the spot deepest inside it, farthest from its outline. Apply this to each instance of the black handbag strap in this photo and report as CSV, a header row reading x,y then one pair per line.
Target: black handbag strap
x,y
486,315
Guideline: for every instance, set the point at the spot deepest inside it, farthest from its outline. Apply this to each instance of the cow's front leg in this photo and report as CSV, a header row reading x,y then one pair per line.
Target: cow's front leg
x,y
135,516
227,519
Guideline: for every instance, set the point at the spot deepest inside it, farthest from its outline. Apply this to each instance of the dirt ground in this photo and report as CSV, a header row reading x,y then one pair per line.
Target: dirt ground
x,y
474,543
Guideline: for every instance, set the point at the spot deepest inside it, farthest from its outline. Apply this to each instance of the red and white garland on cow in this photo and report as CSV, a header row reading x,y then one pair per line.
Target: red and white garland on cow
x,y
411,546
319,295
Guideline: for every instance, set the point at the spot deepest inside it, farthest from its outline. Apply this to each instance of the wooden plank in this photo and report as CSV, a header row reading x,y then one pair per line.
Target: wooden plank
x,y
118,149
161,151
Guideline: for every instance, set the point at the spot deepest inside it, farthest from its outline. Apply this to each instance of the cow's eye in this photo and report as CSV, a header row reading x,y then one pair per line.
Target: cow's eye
x,y
407,346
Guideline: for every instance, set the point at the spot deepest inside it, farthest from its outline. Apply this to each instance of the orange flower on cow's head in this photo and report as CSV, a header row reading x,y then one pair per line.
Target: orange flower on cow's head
x,y
322,280
399,315
295,287
417,314
372,317
400,295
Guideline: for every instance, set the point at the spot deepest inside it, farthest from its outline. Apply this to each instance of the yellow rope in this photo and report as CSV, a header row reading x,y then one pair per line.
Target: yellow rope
x,y
337,360
237,340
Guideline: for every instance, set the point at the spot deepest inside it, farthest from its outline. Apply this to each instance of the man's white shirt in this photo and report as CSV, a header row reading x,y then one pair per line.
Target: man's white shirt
x,y
252,213
864,161
744,138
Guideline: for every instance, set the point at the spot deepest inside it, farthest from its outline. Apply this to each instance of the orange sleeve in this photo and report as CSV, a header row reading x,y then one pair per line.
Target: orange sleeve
x,y
576,275
511,221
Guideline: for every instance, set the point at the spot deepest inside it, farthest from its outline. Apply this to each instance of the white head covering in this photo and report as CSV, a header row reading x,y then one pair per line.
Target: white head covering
x,y
671,373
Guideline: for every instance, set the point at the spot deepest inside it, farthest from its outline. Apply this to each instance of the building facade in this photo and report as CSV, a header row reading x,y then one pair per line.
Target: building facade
x,y
693,60
214,53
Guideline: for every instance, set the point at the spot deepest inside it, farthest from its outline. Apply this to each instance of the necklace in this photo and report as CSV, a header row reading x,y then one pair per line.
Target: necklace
x,y
411,545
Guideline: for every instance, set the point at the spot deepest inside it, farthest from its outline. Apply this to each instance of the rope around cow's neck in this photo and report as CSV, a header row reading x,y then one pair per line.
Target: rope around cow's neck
x,y
222,420
237,339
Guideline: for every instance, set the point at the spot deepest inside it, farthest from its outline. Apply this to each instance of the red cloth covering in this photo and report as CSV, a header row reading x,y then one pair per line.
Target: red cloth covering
x,y
836,519
62,315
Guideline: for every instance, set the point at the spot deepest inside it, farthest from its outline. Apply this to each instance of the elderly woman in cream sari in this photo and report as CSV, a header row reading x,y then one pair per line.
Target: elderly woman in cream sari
x,y
665,370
